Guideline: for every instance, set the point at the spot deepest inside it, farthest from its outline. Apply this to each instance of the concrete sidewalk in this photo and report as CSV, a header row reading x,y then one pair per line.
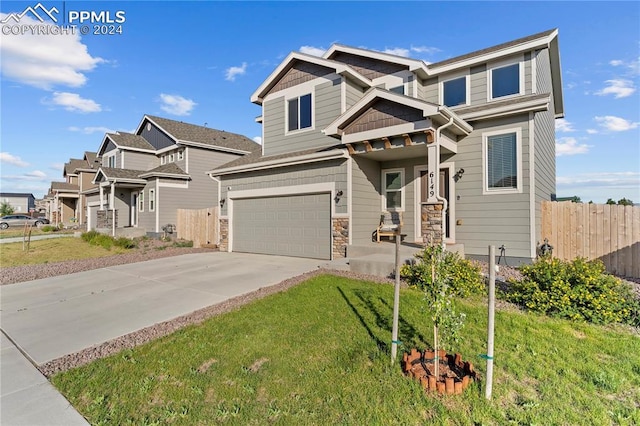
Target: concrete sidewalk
x,y
53,317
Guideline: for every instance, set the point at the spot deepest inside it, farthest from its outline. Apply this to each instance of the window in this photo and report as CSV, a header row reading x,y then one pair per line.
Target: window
x,y
454,92
299,112
171,157
180,155
503,167
398,89
393,189
111,161
152,200
141,201
505,81
163,159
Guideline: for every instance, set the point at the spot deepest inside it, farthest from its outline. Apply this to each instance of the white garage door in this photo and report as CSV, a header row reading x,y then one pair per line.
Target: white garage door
x,y
296,225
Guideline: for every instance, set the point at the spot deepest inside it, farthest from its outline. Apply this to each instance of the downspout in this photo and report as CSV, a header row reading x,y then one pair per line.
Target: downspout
x,y
113,208
219,181
445,203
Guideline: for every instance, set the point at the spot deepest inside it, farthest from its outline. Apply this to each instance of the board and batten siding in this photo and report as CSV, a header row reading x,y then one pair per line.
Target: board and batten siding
x,y
366,201
291,176
544,136
156,137
493,219
326,108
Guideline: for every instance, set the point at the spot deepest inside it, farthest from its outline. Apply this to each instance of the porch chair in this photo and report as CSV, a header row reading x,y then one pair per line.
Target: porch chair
x,y
390,223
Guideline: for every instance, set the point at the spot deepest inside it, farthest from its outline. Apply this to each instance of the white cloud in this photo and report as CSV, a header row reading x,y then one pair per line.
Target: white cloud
x,y
616,124
257,139
592,131
90,129
37,174
5,157
311,50
176,105
632,66
73,102
57,166
570,146
619,88
233,72
398,51
425,49
44,61
563,125
629,180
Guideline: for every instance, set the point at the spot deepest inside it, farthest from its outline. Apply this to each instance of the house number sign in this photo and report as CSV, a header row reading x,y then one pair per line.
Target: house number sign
x,y
432,185
433,153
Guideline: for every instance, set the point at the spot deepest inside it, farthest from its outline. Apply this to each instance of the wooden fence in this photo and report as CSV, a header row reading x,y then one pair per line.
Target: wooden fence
x,y
610,233
199,226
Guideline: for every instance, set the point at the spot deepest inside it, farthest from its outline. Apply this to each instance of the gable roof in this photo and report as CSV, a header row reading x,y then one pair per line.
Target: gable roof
x,y
126,141
438,113
166,170
414,65
192,134
339,68
72,166
16,195
64,187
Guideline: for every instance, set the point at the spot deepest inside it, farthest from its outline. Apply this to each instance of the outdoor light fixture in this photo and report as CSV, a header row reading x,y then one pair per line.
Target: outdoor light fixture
x,y
458,175
338,196
222,202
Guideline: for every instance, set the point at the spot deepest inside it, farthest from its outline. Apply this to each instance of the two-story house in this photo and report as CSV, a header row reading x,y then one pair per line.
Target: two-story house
x,y
20,202
464,149
146,176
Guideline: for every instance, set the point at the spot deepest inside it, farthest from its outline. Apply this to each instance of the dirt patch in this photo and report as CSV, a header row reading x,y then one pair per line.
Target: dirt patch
x,y
206,365
255,367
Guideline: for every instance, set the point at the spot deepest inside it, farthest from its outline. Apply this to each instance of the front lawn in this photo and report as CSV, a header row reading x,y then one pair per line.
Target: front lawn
x,y
319,354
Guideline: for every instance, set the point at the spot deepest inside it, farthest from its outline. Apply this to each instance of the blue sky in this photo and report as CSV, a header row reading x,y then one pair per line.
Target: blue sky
x,y
199,62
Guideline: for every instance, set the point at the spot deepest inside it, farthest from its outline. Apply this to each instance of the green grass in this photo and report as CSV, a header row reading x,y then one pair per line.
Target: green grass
x,y
52,250
319,354
18,232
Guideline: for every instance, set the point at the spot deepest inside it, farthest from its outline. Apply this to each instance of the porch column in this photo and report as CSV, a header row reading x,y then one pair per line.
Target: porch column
x,y
101,197
432,212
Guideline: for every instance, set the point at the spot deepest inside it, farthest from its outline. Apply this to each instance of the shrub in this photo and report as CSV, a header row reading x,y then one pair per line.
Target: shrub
x,y
465,278
48,228
125,242
183,243
89,235
579,290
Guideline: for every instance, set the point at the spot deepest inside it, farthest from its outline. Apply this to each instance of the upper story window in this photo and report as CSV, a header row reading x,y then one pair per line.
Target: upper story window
x,y
152,200
163,159
111,161
180,155
398,89
393,189
506,80
454,92
299,112
502,161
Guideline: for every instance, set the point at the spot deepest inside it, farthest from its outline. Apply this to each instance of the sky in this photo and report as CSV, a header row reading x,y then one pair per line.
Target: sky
x,y
199,62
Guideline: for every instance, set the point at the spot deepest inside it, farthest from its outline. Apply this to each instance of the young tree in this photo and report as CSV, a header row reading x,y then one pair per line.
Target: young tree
x,y
610,201
625,202
5,209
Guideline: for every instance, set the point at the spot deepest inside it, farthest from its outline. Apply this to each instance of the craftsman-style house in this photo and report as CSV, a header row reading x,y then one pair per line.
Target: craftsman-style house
x,y
463,150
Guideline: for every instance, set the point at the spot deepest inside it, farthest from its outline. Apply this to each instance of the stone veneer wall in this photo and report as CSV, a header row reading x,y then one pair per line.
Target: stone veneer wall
x,y
104,219
431,224
340,237
224,235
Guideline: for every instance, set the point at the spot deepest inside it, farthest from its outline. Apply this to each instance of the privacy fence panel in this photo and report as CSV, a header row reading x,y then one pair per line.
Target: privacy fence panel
x,y
199,226
610,233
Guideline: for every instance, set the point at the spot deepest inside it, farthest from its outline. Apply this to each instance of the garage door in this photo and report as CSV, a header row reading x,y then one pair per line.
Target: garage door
x,y
297,225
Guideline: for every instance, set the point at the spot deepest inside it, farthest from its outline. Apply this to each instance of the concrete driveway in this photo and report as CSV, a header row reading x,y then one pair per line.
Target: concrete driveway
x,y
53,317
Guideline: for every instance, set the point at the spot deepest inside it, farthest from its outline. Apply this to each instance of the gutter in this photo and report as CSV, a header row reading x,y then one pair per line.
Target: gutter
x,y
445,203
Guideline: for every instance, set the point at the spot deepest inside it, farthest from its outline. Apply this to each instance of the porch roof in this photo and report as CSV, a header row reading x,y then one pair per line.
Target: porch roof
x,y
170,170
423,116
108,174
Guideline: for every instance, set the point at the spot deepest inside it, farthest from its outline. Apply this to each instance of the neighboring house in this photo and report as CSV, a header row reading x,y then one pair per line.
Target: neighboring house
x,y
463,148
63,198
146,176
20,202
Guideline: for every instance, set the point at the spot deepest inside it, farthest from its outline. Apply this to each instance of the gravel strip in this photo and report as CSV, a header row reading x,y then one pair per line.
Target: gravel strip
x,y
18,274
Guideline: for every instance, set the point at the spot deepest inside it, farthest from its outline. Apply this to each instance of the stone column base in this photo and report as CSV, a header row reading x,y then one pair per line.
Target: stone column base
x,y
431,223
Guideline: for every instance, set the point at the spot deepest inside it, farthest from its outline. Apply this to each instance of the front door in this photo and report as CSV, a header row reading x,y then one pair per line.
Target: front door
x,y
445,190
134,209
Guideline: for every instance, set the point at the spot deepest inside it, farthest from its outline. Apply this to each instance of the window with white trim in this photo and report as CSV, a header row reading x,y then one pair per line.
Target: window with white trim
x,y
393,190
299,112
180,155
111,161
454,92
502,161
152,200
163,159
506,80
141,201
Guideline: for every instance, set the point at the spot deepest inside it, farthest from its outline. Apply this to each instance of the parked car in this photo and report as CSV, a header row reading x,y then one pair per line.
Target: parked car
x,y
20,220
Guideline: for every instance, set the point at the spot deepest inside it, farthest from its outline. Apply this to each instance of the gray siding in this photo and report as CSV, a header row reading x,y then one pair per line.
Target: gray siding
x,y
354,94
420,88
430,90
156,137
478,85
139,161
147,219
496,218
304,174
327,107
545,149
366,204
